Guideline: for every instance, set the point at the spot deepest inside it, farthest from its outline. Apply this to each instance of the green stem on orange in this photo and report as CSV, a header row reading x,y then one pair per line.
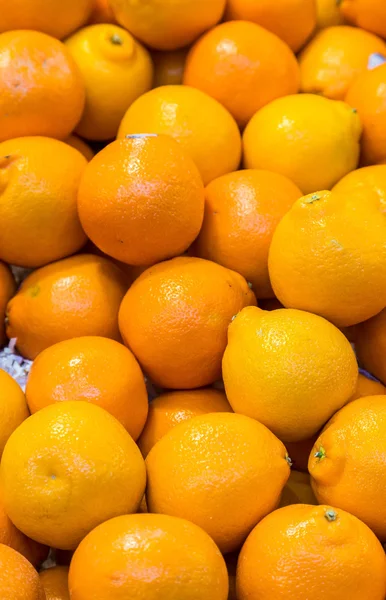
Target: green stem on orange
x,y
313,198
331,515
116,39
289,461
321,453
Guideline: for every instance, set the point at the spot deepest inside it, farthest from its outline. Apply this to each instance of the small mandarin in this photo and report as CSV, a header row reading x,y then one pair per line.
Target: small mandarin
x,y
13,407
18,578
367,14
368,387
7,290
55,583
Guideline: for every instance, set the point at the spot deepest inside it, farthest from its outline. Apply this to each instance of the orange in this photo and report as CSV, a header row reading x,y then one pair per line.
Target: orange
x,y
102,12
288,369
116,70
55,583
93,369
328,256
68,468
313,552
222,471
367,14
148,556
172,408
242,210
365,182
58,19
7,290
41,88
371,345
141,199
13,407
18,578
367,387
79,144
242,56
298,490
175,316
328,14
314,152
334,58
39,180
167,24
367,94
346,463
203,127
169,67
299,452
70,298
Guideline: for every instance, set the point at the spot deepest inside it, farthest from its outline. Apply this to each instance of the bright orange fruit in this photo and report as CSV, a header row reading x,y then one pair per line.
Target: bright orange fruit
x,y
7,289
18,578
367,14
55,583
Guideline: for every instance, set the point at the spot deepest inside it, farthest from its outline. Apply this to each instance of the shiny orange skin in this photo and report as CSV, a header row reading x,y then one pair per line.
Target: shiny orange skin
x,y
169,67
367,14
299,452
141,199
93,369
242,56
7,290
58,19
18,578
298,490
13,407
316,552
203,127
101,12
172,408
79,144
308,269
242,210
207,468
68,468
365,182
334,58
370,345
368,387
293,21
328,14
39,179
175,317
367,94
345,464
55,583
44,98
70,298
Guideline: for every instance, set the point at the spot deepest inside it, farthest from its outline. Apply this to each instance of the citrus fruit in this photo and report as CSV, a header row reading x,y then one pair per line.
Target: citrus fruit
x,y
365,182
298,490
168,67
328,256
116,70
175,316
68,468
18,578
371,345
242,210
13,407
367,14
222,471
314,152
38,202
328,14
368,387
141,199
101,12
80,145
367,94
203,127
242,56
316,552
291,20
289,369
345,464
172,408
93,369
7,289
166,24
70,298
55,583
41,88
335,57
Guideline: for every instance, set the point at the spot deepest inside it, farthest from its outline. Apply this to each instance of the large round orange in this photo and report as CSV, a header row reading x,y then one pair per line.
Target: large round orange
x,y
242,56
116,559
7,289
367,94
169,67
58,19
116,70
335,57
291,370
328,14
172,408
55,583
41,88
242,210
328,256
291,20
345,463
68,468
18,578
76,142
371,345
38,205
13,407
199,123
101,12
316,552
175,318
141,199
167,24
364,183
93,369
222,471
70,298
367,14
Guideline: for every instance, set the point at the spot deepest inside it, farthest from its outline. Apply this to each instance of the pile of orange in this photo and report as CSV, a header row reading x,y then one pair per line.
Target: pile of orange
x,y
193,300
